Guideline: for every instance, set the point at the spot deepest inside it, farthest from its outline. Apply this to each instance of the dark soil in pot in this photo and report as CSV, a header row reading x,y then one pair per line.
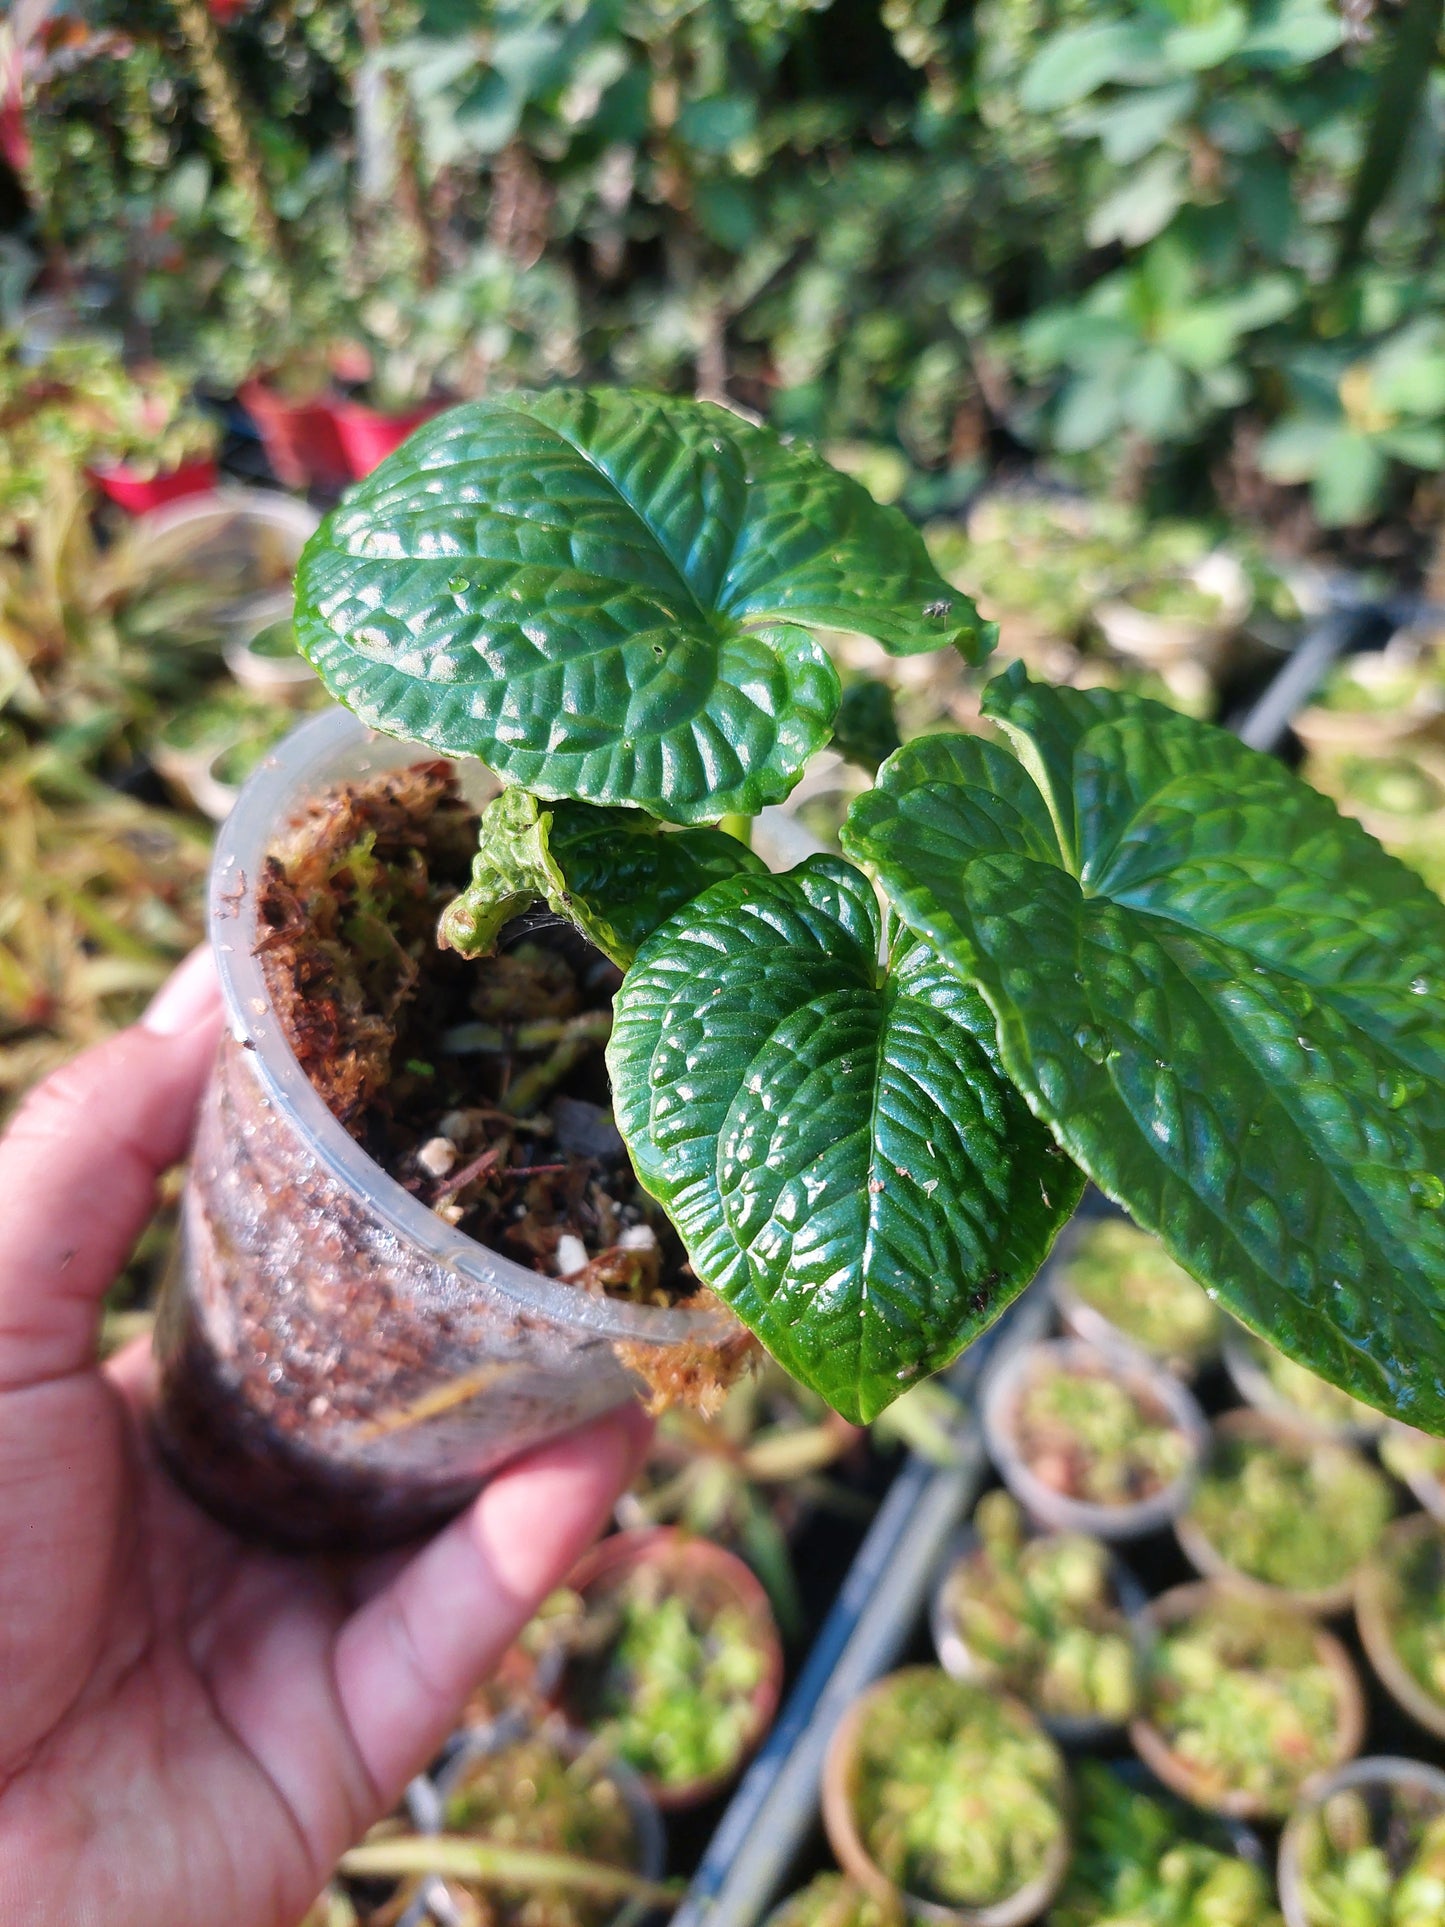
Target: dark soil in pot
x,y
479,1087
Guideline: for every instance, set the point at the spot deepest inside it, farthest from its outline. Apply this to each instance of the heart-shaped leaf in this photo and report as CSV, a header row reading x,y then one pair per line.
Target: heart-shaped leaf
x,y
1224,997
608,596
616,874
831,1137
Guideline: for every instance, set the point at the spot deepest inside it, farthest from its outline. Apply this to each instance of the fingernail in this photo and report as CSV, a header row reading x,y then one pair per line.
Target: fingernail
x,y
186,996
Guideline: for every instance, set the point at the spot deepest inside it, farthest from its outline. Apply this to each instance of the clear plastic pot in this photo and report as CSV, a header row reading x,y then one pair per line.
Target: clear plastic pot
x,y
1044,1503
339,1366
1357,1424
1392,1789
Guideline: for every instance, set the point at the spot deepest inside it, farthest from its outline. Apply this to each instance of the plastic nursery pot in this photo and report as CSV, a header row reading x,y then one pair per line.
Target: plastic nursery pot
x,y
139,494
261,652
1394,1795
1292,1395
241,543
1187,1777
844,1771
301,438
1380,1588
1418,1461
1399,799
1160,637
499,1764
339,1366
368,435
1041,1487
1237,1429
1153,1305
960,1660
1372,701
708,1580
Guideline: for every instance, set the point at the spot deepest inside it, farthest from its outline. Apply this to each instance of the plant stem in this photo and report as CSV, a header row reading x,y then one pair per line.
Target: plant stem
x,y
463,1859
579,1035
740,827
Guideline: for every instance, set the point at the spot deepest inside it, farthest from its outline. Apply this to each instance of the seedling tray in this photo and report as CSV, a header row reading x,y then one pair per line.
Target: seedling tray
x,y
769,1840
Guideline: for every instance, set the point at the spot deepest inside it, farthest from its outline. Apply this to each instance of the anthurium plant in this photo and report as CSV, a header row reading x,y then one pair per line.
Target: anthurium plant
x,y
1113,943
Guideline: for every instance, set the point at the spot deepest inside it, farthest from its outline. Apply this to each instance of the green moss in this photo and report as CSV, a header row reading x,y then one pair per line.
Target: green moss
x,y
1040,1614
1355,1872
1127,1277
1094,1437
1300,1516
957,1796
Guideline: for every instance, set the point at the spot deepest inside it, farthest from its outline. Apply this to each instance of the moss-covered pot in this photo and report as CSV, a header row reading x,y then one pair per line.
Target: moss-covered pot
x,y
1272,1510
1118,1290
1400,1613
1054,1618
1057,1412
1257,1699
1385,1815
1012,1783
707,1598
1418,1461
1292,1394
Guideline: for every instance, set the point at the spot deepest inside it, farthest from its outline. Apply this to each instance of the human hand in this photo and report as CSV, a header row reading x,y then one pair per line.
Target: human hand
x,y
191,1729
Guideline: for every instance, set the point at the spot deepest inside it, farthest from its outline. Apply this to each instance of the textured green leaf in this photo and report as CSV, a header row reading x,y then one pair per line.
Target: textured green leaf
x,y
867,727
1226,1000
608,596
831,1136
616,874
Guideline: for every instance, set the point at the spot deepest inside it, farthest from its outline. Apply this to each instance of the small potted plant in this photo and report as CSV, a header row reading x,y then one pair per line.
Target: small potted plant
x,y
1292,1517
1417,1460
674,1661
1141,1857
1367,1845
1399,798
1400,1612
1093,1444
948,1799
614,604
832,1900
1117,1286
292,401
188,742
1370,702
1051,1618
261,651
1281,1387
538,1829
1188,616
1244,1702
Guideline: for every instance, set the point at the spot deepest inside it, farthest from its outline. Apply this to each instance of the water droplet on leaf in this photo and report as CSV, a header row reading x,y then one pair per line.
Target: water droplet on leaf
x,y
1419,985
1092,1042
458,584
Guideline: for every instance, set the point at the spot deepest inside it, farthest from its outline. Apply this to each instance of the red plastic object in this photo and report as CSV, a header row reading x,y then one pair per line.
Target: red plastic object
x,y
139,494
301,439
368,436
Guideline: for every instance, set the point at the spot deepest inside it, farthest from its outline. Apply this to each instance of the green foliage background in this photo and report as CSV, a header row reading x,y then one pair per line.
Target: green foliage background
x,y
1162,242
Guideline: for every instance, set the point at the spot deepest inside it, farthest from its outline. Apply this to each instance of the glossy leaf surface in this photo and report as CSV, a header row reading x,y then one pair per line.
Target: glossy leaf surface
x,y
831,1136
616,874
609,597
1226,1000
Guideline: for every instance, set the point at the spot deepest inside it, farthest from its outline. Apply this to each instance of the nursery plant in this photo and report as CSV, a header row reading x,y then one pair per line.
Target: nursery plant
x,y
1113,942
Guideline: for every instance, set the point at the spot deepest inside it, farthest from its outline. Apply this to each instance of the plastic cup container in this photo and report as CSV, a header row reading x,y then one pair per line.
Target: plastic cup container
x,y
1391,1788
339,1366
957,1658
1057,1510
1210,1563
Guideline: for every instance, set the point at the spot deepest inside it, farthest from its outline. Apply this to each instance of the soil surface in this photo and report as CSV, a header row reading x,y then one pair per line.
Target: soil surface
x,y
479,1087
